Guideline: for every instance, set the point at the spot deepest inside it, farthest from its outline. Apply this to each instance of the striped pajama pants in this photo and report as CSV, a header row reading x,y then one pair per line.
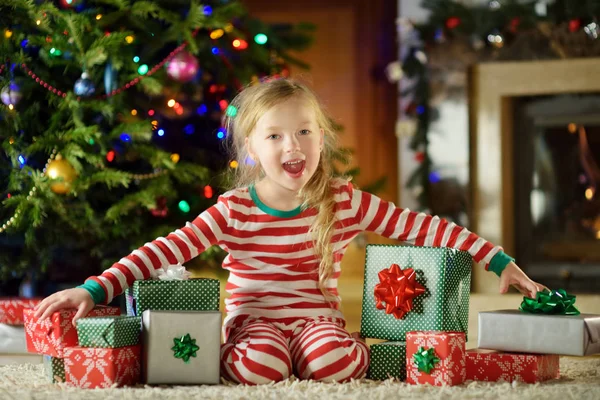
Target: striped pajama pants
x,y
320,349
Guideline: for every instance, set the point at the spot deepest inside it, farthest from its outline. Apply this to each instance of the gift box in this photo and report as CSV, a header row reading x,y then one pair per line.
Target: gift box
x,y
109,332
88,368
517,331
414,288
54,368
437,358
12,339
388,360
11,309
492,366
202,294
181,347
52,335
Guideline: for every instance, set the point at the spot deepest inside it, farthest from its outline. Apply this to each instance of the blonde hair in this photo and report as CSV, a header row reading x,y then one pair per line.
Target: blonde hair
x,y
251,104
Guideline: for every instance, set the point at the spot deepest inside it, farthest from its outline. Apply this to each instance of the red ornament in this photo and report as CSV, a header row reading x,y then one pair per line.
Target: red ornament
x,y
514,24
397,288
574,25
420,156
161,209
452,22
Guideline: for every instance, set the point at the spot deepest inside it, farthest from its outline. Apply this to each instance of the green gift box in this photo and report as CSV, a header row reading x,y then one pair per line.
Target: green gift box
x,y
388,360
443,273
201,294
109,332
54,368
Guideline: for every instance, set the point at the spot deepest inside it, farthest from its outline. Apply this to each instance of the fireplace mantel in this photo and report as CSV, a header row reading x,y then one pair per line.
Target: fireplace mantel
x,y
493,88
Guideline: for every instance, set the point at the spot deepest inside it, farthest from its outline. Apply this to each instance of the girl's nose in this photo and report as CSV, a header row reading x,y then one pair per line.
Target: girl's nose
x,y
292,144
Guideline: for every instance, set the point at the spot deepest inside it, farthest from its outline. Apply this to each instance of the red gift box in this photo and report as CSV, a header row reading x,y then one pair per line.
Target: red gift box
x,y
89,368
11,309
492,366
53,334
449,348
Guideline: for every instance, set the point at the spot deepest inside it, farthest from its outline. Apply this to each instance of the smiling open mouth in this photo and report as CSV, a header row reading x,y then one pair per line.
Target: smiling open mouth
x,y
294,167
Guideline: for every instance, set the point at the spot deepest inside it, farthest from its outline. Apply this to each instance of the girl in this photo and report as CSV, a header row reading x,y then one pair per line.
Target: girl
x,y
286,228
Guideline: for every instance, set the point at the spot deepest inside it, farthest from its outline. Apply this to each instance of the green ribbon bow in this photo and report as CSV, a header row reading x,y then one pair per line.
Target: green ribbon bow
x,y
550,302
185,347
425,359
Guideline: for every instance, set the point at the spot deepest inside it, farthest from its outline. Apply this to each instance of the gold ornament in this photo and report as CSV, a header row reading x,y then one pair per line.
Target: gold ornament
x,y
60,168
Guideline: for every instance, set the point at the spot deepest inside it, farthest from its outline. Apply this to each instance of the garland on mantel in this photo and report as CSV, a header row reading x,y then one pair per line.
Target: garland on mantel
x,y
456,35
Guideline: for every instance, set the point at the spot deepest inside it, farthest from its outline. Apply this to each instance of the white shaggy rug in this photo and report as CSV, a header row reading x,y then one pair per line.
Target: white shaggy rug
x,y
580,380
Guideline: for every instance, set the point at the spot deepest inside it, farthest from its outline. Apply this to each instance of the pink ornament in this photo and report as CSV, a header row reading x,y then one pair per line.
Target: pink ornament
x,y
183,67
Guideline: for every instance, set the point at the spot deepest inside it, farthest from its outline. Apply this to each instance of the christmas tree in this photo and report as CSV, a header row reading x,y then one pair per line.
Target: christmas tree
x,y
110,122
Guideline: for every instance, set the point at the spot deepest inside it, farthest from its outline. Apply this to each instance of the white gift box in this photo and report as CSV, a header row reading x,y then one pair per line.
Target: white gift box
x,y
12,339
162,330
517,331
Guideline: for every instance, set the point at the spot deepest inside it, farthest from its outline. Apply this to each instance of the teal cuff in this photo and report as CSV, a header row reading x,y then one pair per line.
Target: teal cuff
x,y
499,262
95,290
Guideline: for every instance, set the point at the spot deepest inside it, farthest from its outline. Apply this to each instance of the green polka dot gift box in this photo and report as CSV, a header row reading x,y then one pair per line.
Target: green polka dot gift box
x,y
54,369
109,332
408,288
388,360
201,294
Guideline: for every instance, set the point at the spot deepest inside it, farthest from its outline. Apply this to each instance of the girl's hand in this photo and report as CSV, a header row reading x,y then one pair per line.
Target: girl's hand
x,y
513,275
70,298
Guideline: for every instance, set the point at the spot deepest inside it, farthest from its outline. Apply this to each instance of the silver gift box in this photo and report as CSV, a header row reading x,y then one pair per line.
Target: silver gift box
x,y
517,331
12,339
159,363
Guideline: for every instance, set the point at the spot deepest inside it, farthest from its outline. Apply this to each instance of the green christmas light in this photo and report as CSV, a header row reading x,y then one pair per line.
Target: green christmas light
x,y
231,111
184,206
143,69
261,38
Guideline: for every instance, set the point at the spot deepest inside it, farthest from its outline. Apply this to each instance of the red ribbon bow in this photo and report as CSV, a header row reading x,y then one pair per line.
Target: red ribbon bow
x,y
397,288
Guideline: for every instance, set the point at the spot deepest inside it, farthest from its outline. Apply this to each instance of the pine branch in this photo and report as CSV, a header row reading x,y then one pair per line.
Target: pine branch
x,y
110,178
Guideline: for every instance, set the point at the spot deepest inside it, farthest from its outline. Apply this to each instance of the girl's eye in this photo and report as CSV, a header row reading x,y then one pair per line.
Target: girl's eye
x,y
273,136
304,132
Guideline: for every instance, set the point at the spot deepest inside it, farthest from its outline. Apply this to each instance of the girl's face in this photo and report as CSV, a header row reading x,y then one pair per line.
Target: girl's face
x,y
286,142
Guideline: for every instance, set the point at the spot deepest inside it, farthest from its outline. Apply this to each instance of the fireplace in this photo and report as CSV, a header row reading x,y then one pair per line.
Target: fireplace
x,y
540,206
556,142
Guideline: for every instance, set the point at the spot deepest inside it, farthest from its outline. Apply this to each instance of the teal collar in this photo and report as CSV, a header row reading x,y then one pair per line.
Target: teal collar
x,y
269,210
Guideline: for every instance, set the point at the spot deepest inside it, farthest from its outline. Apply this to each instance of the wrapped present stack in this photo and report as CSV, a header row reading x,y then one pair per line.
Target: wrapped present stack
x,y
181,327
417,298
524,345
416,290
12,331
50,337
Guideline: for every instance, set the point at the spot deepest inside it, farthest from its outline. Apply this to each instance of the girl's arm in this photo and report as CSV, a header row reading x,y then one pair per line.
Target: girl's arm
x,y
177,247
384,218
